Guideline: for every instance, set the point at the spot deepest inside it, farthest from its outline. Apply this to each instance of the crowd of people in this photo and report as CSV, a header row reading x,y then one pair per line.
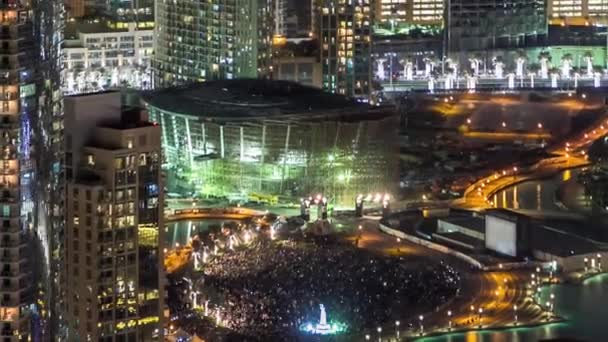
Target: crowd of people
x,y
269,289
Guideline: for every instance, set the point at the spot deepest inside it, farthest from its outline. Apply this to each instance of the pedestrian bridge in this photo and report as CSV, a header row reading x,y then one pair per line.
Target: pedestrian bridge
x,y
211,213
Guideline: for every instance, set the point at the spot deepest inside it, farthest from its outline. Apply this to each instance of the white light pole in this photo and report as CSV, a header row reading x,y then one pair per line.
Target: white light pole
x,y
397,324
480,318
449,320
367,337
379,329
515,313
421,318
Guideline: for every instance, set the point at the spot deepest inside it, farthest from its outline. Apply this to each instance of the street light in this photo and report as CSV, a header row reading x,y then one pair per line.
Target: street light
x,y
480,317
397,324
421,326
367,337
515,312
379,330
449,320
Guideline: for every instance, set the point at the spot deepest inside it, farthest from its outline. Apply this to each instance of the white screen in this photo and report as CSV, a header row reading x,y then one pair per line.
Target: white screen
x,y
501,235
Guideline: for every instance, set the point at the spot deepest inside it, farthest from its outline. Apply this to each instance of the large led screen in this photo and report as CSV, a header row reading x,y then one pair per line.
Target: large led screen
x,y
501,235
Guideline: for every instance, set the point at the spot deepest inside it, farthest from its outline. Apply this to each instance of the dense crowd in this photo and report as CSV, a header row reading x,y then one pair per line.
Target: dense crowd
x,y
270,289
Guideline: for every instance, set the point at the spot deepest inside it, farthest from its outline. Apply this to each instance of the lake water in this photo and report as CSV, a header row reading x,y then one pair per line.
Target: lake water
x,y
534,195
584,306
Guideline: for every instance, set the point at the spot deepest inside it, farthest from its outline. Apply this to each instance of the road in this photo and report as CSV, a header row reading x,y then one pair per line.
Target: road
x,y
496,293
571,154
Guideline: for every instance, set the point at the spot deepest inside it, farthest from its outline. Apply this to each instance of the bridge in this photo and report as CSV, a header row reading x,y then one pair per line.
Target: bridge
x,y
212,213
444,84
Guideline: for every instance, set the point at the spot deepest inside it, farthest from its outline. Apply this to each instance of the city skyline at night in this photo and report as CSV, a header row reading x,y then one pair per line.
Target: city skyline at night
x,y
303,170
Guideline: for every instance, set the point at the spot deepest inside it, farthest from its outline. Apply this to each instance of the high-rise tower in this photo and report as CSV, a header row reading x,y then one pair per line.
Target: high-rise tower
x,y
578,12
345,38
202,40
31,133
114,210
479,25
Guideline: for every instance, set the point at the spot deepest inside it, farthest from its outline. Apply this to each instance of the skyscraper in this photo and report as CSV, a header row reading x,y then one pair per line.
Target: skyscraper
x,y
476,25
578,12
201,40
297,18
345,38
114,211
409,12
31,127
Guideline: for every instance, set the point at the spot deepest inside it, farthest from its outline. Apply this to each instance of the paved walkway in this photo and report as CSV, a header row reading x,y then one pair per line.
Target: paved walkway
x,y
496,293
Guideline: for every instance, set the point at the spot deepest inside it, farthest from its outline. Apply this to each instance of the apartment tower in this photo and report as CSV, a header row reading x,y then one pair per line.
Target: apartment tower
x,y
31,131
114,212
345,36
210,40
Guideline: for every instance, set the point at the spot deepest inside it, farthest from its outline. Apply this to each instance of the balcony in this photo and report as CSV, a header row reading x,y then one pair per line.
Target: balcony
x,y
9,314
8,332
15,257
8,171
13,272
11,243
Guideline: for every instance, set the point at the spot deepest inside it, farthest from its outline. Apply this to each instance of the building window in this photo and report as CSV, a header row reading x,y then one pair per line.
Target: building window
x,y
119,163
90,160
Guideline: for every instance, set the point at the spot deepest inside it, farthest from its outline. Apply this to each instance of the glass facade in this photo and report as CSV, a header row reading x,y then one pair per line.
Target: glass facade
x,y
578,12
475,25
289,158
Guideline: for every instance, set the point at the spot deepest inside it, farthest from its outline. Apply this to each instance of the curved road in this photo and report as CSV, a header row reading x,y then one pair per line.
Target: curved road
x,y
495,292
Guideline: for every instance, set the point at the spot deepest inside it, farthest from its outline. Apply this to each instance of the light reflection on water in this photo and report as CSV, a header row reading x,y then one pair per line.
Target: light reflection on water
x,y
583,306
533,195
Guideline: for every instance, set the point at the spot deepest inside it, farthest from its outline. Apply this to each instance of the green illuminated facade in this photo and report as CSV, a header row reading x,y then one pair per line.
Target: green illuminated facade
x,y
282,139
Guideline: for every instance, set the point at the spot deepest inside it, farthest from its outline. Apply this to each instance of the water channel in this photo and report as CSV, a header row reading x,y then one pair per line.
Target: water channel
x,y
584,305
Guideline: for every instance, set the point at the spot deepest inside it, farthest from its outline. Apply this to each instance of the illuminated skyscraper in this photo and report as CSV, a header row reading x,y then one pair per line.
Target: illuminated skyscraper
x,y
298,18
345,38
31,131
578,12
205,40
474,25
409,12
114,211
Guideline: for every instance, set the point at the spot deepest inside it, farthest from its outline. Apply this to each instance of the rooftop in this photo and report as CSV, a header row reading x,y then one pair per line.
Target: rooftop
x,y
477,224
248,99
73,27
